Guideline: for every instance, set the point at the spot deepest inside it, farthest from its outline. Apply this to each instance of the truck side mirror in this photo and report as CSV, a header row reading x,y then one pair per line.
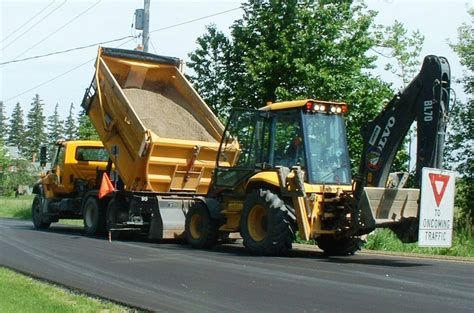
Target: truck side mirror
x,y
43,156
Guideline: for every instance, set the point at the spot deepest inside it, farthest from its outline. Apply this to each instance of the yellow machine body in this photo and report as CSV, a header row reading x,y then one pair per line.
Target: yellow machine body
x,y
74,160
145,160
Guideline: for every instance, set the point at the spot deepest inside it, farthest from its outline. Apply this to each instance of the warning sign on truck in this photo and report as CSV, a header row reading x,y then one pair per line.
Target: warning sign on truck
x,y
436,208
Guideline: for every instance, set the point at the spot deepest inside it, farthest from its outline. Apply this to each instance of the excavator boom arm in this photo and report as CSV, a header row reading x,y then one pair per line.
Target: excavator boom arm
x,y
426,101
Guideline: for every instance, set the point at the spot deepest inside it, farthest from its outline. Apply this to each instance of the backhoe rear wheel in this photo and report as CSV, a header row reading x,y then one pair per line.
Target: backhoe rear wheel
x,y
201,229
94,217
340,246
267,225
40,221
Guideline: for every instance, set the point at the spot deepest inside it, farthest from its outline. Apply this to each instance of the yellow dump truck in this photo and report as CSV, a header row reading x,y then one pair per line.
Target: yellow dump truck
x,y
160,135
269,173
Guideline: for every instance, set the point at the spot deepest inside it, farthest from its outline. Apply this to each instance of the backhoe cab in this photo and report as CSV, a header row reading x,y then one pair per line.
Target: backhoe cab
x,y
292,173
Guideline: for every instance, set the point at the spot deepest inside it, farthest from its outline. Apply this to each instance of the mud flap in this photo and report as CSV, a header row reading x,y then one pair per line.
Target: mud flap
x,y
392,208
168,219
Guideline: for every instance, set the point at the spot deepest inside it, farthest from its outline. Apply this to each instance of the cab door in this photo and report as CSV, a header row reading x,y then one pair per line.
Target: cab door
x,y
248,132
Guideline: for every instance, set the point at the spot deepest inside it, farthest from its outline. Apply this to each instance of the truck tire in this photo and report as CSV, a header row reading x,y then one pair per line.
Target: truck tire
x,y
339,247
39,220
200,228
115,215
267,225
94,217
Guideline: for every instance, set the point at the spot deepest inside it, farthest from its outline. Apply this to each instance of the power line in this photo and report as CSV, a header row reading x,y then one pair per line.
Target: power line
x,y
65,51
60,75
195,20
31,27
82,64
26,23
59,29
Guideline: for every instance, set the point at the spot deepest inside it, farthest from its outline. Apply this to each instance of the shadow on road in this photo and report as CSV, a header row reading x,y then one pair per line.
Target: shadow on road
x,y
233,249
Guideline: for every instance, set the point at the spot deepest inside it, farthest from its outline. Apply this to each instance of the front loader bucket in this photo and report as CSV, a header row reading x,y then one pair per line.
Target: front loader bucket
x,y
392,208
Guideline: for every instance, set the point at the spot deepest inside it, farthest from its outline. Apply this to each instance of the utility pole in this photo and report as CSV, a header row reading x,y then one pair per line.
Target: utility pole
x,y
146,25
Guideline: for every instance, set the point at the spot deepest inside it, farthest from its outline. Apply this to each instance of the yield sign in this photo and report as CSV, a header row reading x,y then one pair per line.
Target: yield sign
x,y
438,184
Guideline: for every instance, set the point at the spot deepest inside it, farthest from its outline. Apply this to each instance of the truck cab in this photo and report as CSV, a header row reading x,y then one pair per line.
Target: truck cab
x,y
75,168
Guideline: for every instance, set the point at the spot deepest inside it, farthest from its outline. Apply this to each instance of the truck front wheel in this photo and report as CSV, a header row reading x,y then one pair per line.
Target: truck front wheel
x,y
39,220
267,225
94,218
200,228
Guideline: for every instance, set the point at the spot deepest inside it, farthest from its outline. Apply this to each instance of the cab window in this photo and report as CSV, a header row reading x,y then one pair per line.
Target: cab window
x,y
94,154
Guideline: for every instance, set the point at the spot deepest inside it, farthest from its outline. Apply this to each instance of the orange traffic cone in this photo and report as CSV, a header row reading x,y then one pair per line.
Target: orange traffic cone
x,y
106,186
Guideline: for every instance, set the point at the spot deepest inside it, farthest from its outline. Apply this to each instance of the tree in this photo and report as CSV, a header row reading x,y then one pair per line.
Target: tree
x,y
461,132
86,130
284,50
403,53
210,61
70,129
55,130
35,129
16,131
404,49
3,123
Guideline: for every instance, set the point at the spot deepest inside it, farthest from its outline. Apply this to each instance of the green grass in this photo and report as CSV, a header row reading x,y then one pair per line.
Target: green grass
x,y
21,208
16,207
19,293
385,240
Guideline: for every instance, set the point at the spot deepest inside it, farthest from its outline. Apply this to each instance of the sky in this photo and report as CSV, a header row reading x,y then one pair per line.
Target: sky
x,y
32,28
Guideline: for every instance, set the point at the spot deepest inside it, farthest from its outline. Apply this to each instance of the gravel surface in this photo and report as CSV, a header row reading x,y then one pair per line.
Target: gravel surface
x,y
165,117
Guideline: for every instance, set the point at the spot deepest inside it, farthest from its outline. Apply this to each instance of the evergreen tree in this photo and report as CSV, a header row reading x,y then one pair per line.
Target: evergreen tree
x,y
35,129
55,130
16,130
70,129
86,130
3,123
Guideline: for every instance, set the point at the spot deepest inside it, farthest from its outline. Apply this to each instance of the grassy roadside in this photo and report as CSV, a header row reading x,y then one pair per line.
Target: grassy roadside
x,y
22,293
385,240
21,208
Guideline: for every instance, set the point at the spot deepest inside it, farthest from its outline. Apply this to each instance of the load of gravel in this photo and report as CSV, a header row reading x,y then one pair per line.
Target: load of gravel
x,y
165,117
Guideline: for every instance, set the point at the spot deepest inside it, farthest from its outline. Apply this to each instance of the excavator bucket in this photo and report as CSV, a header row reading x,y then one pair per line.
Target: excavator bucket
x,y
394,208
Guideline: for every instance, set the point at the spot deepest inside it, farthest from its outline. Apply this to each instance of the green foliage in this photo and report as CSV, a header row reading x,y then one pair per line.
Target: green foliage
x,y
35,129
286,50
21,293
3,122
23,173
461,129
86,130
404,49
70,129
386,240
55,131
210,61
16,129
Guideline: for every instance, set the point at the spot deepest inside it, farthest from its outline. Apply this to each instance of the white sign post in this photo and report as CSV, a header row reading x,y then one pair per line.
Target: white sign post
x,y
436,208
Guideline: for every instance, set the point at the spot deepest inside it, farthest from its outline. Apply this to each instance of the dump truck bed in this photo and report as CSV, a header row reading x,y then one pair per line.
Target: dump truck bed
x,y
160,134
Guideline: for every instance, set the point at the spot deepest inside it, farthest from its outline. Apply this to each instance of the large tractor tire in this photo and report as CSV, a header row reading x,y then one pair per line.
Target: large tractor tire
x,y
200,228
40,221
94,217
267,225
339,247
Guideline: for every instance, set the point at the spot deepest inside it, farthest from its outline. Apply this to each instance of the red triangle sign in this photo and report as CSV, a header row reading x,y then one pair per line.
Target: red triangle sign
x,y
443,179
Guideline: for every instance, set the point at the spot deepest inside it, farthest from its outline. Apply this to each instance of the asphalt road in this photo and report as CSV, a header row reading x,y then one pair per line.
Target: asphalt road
x,y
169,277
